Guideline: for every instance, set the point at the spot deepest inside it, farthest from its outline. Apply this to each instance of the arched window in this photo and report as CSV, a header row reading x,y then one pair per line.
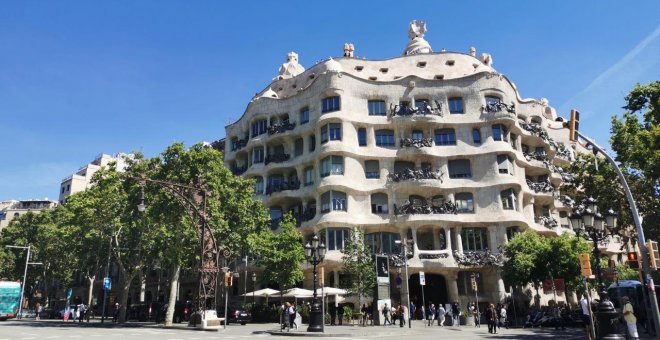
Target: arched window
x,y
476,136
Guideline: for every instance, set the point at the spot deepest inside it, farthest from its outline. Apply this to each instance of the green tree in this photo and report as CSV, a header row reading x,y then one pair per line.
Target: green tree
x,y
358,266
562,259
636,140
280,254
525,256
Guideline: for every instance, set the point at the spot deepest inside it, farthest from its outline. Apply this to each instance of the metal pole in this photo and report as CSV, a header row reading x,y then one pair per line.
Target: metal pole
x,y
592,328
513,302
226,299
107,274
641,241
20,306
476,298
246,278
423,305
405,260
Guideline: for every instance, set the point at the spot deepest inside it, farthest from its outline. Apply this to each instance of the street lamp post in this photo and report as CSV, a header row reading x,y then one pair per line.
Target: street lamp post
x,y
27,262
254,287
589,223
405,243
315,253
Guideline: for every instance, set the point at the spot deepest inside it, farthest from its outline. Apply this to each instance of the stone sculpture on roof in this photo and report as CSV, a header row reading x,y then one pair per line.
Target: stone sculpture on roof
x,y
417,44
291,68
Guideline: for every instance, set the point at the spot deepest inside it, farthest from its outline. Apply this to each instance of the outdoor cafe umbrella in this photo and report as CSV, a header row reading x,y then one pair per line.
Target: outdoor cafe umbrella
x,y
298,293
266,292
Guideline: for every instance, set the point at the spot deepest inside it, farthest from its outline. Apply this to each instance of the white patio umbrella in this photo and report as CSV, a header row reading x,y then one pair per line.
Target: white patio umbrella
x,y
266,292
298,293
331,291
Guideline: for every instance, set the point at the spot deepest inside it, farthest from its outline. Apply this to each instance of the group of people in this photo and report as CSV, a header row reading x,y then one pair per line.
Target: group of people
x,y
77,312
289,314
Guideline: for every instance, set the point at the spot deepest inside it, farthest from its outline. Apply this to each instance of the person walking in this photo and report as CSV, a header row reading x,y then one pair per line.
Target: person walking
x,y
340,314
491,316
116,315
431,314
365,313
455,314
401,312
386,315
413,308
503,320
38,309
631,320
586,312
475,314
441,315
292,316
82,309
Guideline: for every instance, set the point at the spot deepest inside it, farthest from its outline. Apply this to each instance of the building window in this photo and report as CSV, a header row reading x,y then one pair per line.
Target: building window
x,y
309,175
379,203
476,136
362,137
275,217
335,237
499,132
330,132
385,138
258,155
63,188
298,147
421,103
456,105
312,143
464,202
259,185
382,243
417,135
459,168
304,116
445,137
492,100
464,283
333,201
377,108
330,104
259,127
474,239
504,164
509,201
332,165
371,169
511,232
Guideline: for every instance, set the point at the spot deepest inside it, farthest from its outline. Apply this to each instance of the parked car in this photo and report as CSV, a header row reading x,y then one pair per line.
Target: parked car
x,y
182,311
144,311
237,315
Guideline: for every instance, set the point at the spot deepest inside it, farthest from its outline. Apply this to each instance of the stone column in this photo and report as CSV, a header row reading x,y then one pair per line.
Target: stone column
x,y
448,239
492,238
501,289
501,231
459,240
452,286
415,246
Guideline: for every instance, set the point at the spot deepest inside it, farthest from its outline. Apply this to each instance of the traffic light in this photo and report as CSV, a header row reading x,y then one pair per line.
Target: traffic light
x,y
473,282
654,255
574,125
633,260
229,279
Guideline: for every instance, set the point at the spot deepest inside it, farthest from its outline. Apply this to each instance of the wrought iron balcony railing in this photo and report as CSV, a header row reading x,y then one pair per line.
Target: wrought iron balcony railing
x,y
281,127
408,111
416,142
498,107
478,258
239,144
544,187
409,208
335,171
537,155
415,174
546,221
277,187
277,158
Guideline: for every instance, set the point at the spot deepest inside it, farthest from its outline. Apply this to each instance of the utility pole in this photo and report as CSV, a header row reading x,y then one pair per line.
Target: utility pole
x,y
107,274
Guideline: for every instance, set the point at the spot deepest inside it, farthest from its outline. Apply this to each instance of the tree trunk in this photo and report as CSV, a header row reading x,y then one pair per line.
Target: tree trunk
x,y
174,285
123,297
91,289
143,286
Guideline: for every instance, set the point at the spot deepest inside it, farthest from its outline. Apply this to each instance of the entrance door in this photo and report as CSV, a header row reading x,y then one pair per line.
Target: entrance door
x,y
435,291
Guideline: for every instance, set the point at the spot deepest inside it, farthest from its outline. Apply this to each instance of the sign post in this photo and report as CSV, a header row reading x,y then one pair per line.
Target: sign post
x,y
422,283
107,283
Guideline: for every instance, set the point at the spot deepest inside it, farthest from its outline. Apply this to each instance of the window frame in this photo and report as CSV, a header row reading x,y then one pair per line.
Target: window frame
x,y
330,104
468,205
304,115
379,208
454,174
380,138
470,236
452,108
371,174
444,136
373,106
477,140
362,136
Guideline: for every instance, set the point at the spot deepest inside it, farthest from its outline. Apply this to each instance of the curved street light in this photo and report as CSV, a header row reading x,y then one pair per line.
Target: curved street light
x,y
315,252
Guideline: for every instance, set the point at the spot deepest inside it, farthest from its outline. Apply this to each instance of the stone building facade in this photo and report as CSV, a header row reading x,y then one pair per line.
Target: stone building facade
x,y
435,147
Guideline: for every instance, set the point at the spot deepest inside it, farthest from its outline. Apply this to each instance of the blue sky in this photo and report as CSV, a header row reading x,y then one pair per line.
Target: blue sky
x,y
79,78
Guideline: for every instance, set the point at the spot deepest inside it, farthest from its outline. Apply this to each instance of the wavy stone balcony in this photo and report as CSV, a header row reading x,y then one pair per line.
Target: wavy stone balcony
x,y
281,127
539,156
415,174
277,158
278,187
546,221
541,187
416,142
498,107
239,144
409,208
424,110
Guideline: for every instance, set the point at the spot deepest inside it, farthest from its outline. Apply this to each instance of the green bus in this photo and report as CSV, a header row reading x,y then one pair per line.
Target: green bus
x,y
10,297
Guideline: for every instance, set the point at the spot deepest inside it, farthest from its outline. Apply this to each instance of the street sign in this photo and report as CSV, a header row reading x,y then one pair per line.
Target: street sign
x,y
586,272
398,281
382,269
585,262
107,283
422,279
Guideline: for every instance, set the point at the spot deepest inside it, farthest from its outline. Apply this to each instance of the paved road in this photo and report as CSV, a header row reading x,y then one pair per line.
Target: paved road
x,y
56,330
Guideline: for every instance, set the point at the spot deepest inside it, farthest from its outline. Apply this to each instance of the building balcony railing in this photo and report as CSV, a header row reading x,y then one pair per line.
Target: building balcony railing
x,y
277,187
281,127
334,171
277,158
478,258
239,170
498,107
539,156
546,221
408,111
410,208
416,142
415,174
544,187
308,214
239,144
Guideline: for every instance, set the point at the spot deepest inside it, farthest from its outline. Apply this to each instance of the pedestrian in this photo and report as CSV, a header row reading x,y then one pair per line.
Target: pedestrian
x,y
441,315
394,315
291,311
340,314
503,319
475,314
116,314
491,316
401,312
284,317
498,310
365,314
586,312
38,309
556,313
431,314
629,316
76,313
82,309
386,315
333,314
455,314
412,310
